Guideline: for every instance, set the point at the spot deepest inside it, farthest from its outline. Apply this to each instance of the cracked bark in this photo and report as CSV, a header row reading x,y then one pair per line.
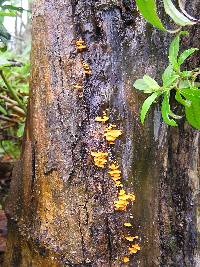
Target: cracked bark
x,y
60,206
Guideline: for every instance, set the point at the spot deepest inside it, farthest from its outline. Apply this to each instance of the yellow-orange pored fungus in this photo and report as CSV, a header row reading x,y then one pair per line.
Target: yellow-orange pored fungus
x,y
118,184
126,259
131,238
86,69
104,118
134,249
112,134
128,224
80,45
123,200
131,197
100,158
120,205
113,166
115,174
78,86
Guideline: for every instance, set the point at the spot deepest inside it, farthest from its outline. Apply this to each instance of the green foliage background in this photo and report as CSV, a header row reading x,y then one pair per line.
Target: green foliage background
x,y
14,89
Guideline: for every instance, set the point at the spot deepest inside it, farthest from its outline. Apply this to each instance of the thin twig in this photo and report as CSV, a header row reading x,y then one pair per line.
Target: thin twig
x,y
7,126
9,100
16,108
4,118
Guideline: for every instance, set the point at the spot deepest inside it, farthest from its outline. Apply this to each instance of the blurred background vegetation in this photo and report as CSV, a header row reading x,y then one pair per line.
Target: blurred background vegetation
x,y
15,42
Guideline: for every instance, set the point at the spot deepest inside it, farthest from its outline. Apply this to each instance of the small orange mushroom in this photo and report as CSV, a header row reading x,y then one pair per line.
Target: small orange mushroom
x,y
134,249
126,259
128,224
102,119
112,134
78,86
100,158
86,68
80,45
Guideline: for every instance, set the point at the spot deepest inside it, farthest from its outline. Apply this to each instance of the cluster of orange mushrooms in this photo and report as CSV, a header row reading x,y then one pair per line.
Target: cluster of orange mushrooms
x,y
101,158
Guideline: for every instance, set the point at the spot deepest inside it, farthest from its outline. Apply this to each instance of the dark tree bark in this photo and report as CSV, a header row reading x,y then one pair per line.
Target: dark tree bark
x,y
61,206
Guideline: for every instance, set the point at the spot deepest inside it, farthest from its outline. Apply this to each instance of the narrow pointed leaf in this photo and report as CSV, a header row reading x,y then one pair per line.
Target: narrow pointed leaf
x,y
176,15
146,105
11,7
151,82
141,85
193,111
7,13
148,10
186,74
174,49
2,110
181,100
184,84
166,111
186,54
170,80
167,73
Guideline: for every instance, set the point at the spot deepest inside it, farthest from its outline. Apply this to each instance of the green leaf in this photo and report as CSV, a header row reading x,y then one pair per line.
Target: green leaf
x,y
20,130
147,84
176,16
7,13
167,73
186,54
146,105
148,10
151,83
11,7
190,93
181,100
186,74
168,81
2,110
166,111
4,38
184,84
174,50
3,62
193,111
142,86
193,114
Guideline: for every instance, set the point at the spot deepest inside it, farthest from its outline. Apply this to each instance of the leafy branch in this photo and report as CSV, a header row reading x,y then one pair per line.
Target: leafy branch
x,y
182,82
148,10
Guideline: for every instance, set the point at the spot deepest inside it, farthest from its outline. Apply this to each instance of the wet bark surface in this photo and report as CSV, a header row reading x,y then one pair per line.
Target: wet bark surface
x,y
60,209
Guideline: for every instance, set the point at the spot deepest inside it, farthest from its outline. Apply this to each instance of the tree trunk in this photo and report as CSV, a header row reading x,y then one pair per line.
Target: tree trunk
x,y
61,206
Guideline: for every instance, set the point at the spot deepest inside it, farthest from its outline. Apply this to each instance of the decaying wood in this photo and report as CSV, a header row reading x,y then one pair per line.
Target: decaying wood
x,y
60,208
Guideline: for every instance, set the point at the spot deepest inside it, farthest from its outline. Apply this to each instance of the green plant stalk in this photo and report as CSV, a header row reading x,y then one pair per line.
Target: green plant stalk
x,y
12,92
